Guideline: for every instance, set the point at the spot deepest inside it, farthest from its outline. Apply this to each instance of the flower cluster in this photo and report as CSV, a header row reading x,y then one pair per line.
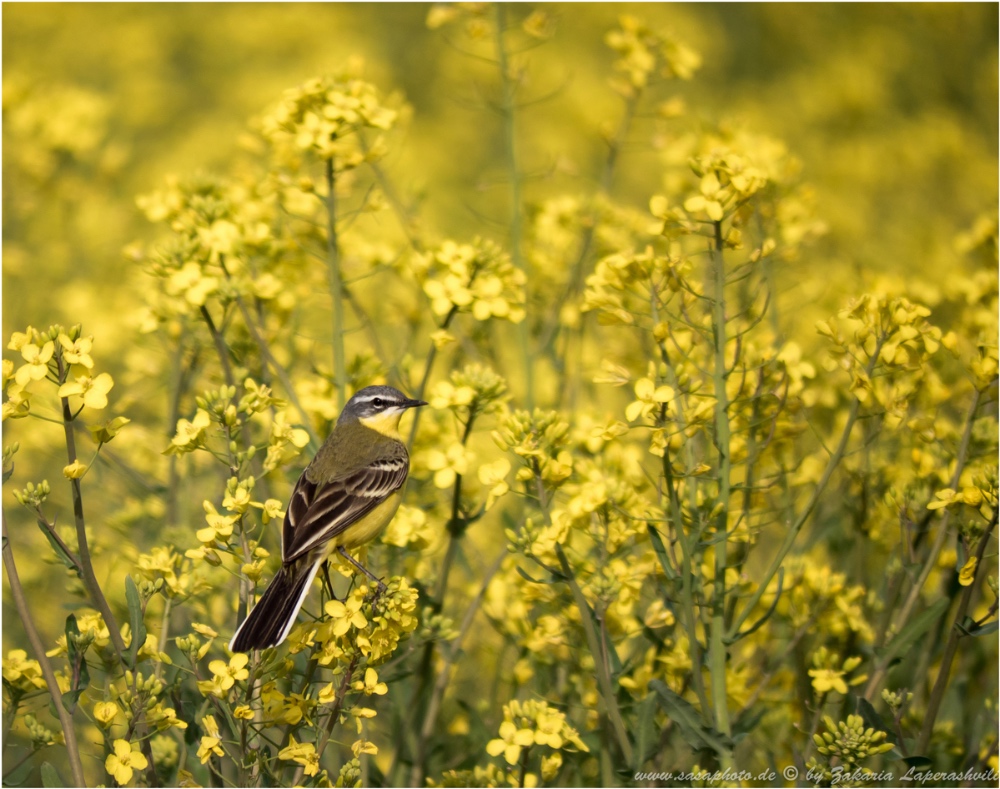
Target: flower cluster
x,y
644,53
539,438
829,672
477,278
58,354
530,723
847,744
317,115
359,626
471,391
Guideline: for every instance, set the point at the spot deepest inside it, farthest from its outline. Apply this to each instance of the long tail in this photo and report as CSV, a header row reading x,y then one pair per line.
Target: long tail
x,y
272,618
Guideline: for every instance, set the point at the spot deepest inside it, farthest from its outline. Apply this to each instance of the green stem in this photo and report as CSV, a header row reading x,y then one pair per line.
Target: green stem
x,y
456,528
428,366
524,766
444,675
689,614
89,577
600,658
717,646
86,564
593,642
407,221
881,668
336,286
508,88
800,521
279,371
220,349
951,648
161,644
332,719
24,614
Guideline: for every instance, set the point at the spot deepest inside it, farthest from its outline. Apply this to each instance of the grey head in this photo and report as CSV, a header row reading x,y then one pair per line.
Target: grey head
x,y
374,400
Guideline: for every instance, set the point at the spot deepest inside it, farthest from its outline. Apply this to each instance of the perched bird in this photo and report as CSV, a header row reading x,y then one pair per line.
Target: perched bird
x,y
343,500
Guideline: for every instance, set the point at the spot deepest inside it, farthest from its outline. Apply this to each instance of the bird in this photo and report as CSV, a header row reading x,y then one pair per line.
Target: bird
x,y
343,500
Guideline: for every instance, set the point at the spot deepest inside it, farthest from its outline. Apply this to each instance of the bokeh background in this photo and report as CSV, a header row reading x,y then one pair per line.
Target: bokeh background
x,y
889,109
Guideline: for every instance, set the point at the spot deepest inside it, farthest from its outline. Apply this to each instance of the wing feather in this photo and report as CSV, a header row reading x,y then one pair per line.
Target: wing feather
x,y
318,512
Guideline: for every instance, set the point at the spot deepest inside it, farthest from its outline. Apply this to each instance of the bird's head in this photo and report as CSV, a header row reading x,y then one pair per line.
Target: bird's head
x,y
378,408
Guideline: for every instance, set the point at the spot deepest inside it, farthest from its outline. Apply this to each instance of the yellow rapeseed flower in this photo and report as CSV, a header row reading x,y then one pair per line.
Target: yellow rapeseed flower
x,y
211,742
94,391
968,572
303,753
105,712
124,761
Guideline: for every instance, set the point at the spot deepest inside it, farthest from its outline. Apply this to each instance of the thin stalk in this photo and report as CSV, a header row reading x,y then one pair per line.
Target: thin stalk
x,y
456,526
86,564
161,644
88,576
593,643
716,646
38,647
689,614
176,389
444,674
406,220
944,673
428,366
600,659
220,348
279,371
332,719
9,715
523,771
960,458
882,668
508,89
800,521
336,287
456,529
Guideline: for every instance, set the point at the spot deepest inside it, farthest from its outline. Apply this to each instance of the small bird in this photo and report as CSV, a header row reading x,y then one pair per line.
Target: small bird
x,y
343,500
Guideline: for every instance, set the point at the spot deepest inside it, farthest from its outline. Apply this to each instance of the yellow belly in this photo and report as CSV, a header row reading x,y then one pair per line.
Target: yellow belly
x,y
369,527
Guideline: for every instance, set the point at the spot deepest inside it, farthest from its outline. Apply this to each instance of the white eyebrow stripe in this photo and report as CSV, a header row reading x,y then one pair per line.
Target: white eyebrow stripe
x,y
387,399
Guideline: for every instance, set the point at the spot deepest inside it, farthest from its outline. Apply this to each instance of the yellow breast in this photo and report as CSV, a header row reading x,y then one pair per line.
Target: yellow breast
x,y
369,527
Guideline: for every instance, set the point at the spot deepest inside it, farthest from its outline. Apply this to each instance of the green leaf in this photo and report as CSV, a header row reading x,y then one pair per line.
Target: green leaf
x,y
64,557
661,552
646,731
135,621
683,713
911,633
21,775
528,578
980,630
747,722
50,778
872,719
917,762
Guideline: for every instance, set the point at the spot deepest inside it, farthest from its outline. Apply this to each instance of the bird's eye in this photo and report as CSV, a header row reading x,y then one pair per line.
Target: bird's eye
x,y
377,402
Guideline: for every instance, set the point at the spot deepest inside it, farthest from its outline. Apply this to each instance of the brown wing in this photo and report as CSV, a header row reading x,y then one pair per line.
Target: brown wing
x,y
318,512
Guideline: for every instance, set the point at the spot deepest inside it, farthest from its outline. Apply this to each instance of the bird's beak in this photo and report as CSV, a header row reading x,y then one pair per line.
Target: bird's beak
x,y
415,403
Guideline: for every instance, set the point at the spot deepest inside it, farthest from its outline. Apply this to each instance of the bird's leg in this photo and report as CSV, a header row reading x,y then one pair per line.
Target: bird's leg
x,y
326,580
380,587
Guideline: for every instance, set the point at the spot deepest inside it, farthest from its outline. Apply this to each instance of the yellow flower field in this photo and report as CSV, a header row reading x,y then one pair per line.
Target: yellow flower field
x,y
703,299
